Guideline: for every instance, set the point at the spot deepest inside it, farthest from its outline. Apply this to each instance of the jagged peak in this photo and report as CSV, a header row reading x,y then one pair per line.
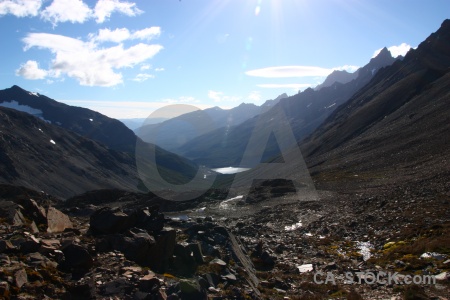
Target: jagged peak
x,y
16,87
383,54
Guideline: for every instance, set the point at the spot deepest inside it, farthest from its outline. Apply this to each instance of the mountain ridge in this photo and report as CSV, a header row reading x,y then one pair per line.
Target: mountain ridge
x,y
401,118
173,133
86,122
305,111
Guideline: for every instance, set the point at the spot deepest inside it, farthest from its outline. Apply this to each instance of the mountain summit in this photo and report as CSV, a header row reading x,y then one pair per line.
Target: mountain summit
x,y
305,112
83,121
401,118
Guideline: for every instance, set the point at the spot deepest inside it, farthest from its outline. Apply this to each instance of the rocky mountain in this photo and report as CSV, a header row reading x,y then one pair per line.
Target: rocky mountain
x,y
45,157
401,118
83,121
337,76
304,111
380,164
343,76
175,132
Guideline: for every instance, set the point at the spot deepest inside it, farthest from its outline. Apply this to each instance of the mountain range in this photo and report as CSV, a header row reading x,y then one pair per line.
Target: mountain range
x,y
394,111
400,118
65,150
305,111
373,149
173,133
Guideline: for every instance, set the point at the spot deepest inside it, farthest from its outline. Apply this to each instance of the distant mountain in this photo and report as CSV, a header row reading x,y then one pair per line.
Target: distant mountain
x,y
88,150
135,123
173,133
305,112
337,76
44,157
398,123
83,121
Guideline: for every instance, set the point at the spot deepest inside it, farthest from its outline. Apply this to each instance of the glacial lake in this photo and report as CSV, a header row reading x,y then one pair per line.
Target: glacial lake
x,y
230,170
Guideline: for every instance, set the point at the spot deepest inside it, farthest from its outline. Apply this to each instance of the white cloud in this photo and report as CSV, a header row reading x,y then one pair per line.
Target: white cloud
x,y
121,34
118,35
296,71
181,99
147,33
348,68
289,71
220,97
159,69
30,70
20,8
216,96
294,86
88,63
401,49
145,67
143,77
74,11
104,8
254,96
130,109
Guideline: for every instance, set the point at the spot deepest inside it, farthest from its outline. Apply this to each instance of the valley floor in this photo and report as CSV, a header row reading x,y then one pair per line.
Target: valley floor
x,y
284,249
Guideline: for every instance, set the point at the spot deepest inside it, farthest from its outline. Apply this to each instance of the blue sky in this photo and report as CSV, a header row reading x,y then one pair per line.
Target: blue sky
x,y
127,58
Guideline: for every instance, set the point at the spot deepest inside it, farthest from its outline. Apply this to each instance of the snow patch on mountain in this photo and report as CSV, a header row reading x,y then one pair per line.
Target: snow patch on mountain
x,y
25,108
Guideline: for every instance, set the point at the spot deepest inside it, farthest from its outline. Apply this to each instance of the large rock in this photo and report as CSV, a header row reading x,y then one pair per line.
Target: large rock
x,y
161,253
20,278
107,221
34,211
184,263
57,221
6,246
191,289
77,258
135,245
12,213
150,219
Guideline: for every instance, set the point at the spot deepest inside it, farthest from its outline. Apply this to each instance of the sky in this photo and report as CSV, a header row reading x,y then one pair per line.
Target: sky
x,y
127,58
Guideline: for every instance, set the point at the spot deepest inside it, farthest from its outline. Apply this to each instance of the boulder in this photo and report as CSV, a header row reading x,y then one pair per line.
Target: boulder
x,y
444,276
77,258
31,244
149,283
20,278
6,246
150,219
107,221
135,245
197,252
184,263
161,253
33,211
191,289
57,221
12,213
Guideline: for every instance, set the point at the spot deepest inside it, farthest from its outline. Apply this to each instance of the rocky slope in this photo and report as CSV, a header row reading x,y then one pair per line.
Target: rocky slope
x,y
305,112
399,121
44,157
83,121
337,76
